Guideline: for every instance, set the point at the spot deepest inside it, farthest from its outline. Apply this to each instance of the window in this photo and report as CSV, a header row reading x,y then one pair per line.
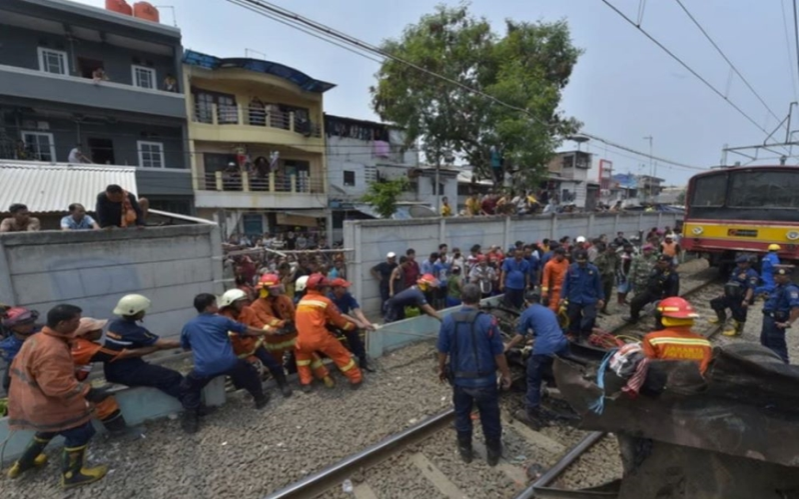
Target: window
x,y
53,61
143,77
349,179
40,145
151,154
710,190
764,189
433,188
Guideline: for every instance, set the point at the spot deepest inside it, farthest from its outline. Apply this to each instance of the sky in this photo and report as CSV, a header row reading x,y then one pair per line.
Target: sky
x,y
623,88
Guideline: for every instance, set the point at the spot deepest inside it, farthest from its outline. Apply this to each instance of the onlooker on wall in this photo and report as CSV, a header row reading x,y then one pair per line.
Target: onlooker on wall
x,y
20,221
78,219
116,207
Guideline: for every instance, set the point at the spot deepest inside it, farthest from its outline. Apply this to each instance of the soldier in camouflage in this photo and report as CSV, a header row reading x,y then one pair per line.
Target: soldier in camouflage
x,y
641,267
608,262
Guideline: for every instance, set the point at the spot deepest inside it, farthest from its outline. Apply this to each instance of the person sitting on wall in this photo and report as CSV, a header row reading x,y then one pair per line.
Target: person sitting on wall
x,y
78,219
118,208
20,221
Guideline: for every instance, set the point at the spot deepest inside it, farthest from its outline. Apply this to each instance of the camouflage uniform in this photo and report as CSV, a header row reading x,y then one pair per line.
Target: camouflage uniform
x,y
608,264
640,271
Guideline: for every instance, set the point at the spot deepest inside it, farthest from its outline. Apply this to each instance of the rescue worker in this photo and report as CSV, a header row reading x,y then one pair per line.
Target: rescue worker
x,y
274,309
608,263
780,312
45,397
641,266
409,298
663,282
21,324
470,340
677,341
737,296
207,337
299,289
768,263
553,278
548,341
126,333
583,294
314,313
233,305
351,311
515,278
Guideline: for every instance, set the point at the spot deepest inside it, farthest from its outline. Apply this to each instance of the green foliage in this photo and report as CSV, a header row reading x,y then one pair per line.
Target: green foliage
x,y
681,198
383,196
527,67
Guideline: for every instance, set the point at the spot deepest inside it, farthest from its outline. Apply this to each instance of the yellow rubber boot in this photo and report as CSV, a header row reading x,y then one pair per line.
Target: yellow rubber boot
x,y
74,474
719,319
328,382
31,458
732,328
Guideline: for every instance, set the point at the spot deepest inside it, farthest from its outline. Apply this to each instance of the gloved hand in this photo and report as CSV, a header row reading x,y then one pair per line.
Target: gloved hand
x,y
288,328
96,395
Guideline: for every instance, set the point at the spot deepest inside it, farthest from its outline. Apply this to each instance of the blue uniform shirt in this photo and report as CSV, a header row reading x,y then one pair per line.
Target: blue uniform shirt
x,y
122,334
769,261
440,271
533,261
207,337
515,273
346,303
428,267
782,299
9,348
409,297
543,322
582,285
488,345
546,258
747,279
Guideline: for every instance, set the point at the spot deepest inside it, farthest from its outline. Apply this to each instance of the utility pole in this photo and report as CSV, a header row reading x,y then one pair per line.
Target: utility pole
x,y
652,174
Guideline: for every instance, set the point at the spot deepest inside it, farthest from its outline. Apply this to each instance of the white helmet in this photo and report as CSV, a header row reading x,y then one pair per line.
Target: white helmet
x,y
300,284
230,296
131,305
580,239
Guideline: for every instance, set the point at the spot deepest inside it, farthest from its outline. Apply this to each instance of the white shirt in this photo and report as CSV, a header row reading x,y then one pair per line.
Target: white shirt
x,y
75,156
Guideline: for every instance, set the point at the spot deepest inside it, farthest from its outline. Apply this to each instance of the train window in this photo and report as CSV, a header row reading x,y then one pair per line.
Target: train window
x,y
710,190
764,189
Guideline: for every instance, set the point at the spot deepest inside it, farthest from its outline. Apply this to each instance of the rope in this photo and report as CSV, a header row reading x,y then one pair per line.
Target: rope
x,y
598,405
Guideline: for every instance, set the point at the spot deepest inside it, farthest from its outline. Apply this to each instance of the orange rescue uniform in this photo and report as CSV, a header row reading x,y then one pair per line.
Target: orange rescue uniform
x,y
314,312
553,280
678,343
274,311
84,353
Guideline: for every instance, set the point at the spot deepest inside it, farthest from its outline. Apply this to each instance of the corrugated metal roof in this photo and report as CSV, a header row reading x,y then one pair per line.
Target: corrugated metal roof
x,y
53,187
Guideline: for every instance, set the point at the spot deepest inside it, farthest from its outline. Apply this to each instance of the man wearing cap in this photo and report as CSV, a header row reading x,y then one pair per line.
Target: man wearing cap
x,y
583,292
641,266
21,323
383,273
737,296
515,278
351,311
780,312
395,308
662,282
768,262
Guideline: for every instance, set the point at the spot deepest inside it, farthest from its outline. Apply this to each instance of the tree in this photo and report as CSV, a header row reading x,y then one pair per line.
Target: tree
x,y
681,197
527,67
383,195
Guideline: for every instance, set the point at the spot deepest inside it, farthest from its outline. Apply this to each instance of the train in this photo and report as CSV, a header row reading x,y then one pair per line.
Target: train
x,y
742,209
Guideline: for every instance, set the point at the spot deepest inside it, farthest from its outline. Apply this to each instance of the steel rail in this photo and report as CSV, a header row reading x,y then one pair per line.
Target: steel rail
x,y
327,478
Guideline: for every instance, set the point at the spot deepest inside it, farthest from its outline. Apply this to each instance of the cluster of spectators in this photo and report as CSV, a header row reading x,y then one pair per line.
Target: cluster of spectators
x,y
293,240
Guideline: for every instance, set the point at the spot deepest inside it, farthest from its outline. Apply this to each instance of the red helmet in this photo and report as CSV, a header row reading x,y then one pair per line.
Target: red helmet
x,y
317,281
677,308
428,279
19,315
269,281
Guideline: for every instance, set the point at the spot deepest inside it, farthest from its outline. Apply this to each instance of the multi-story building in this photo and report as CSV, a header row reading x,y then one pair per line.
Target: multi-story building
x,y
569,175
107,84
256,143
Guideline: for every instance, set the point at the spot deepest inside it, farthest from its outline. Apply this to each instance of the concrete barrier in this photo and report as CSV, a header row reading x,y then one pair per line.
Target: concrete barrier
x,y
371,240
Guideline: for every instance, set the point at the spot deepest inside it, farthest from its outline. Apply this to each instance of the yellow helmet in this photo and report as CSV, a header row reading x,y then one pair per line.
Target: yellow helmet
x,y
131,305
774,247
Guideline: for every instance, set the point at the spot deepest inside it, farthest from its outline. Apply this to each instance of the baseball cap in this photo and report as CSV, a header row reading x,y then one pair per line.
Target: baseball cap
x,y
647,247
340,282
782,270
581,256
391,254
742,259
89,324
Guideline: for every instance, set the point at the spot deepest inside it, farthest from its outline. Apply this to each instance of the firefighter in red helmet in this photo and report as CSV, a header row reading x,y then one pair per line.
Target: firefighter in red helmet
x,y
677,341
274,309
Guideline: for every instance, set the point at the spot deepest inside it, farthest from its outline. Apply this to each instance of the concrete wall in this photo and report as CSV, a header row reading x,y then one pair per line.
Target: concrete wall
x,y
372,239
92,270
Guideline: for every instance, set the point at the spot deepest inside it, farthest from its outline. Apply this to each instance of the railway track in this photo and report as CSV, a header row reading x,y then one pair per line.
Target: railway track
x,y
422,461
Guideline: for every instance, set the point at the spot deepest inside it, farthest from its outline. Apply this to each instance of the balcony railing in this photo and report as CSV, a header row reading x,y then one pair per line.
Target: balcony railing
x,y
221,114
272,183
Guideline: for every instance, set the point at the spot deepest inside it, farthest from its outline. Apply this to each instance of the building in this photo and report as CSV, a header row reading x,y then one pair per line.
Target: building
x,y
569,180
72,75
256,144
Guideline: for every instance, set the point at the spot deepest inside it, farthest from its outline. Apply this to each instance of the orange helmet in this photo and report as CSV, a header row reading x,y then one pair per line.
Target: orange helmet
x,y
317,281
677,308
428,279
269,281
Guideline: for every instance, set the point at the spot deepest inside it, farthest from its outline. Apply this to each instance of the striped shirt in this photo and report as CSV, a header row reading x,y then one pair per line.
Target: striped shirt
x,y
678,343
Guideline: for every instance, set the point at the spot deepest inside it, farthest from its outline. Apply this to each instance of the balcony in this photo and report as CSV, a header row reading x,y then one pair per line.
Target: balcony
x,y
39,85
236,123
244,190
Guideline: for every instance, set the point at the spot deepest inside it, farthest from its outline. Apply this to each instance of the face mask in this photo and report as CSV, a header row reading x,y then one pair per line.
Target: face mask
x,y
263,293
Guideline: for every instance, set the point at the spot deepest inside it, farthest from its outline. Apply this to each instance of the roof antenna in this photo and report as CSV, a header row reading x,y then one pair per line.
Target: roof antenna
x,y
170,7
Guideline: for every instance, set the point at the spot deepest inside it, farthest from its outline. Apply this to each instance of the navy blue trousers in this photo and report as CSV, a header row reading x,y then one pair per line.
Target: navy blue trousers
x,y
487,399
774,337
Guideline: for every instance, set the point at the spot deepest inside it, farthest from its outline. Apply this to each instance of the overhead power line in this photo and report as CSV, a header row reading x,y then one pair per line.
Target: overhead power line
x,y
686,66
364,49
731,64
792,60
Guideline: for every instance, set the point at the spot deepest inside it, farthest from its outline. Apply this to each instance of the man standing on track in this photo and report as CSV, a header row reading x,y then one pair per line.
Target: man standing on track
x,y
769,262
583,292
553,278
608,263
472,342
515,278
780,312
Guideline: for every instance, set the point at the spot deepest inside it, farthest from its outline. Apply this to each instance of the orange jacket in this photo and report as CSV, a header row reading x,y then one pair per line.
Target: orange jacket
x,y
678,343
553,276
314,312
84,352
243,346
44,394
274,311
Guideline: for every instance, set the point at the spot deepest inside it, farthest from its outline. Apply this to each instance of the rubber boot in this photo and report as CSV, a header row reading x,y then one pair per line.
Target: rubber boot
x,y
363,364
307,388
283,385
115,424
494,450
465,448
529,418
719,319
329,383
356,386
733,328
261,402
205,410
74,474
31,458
190,422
